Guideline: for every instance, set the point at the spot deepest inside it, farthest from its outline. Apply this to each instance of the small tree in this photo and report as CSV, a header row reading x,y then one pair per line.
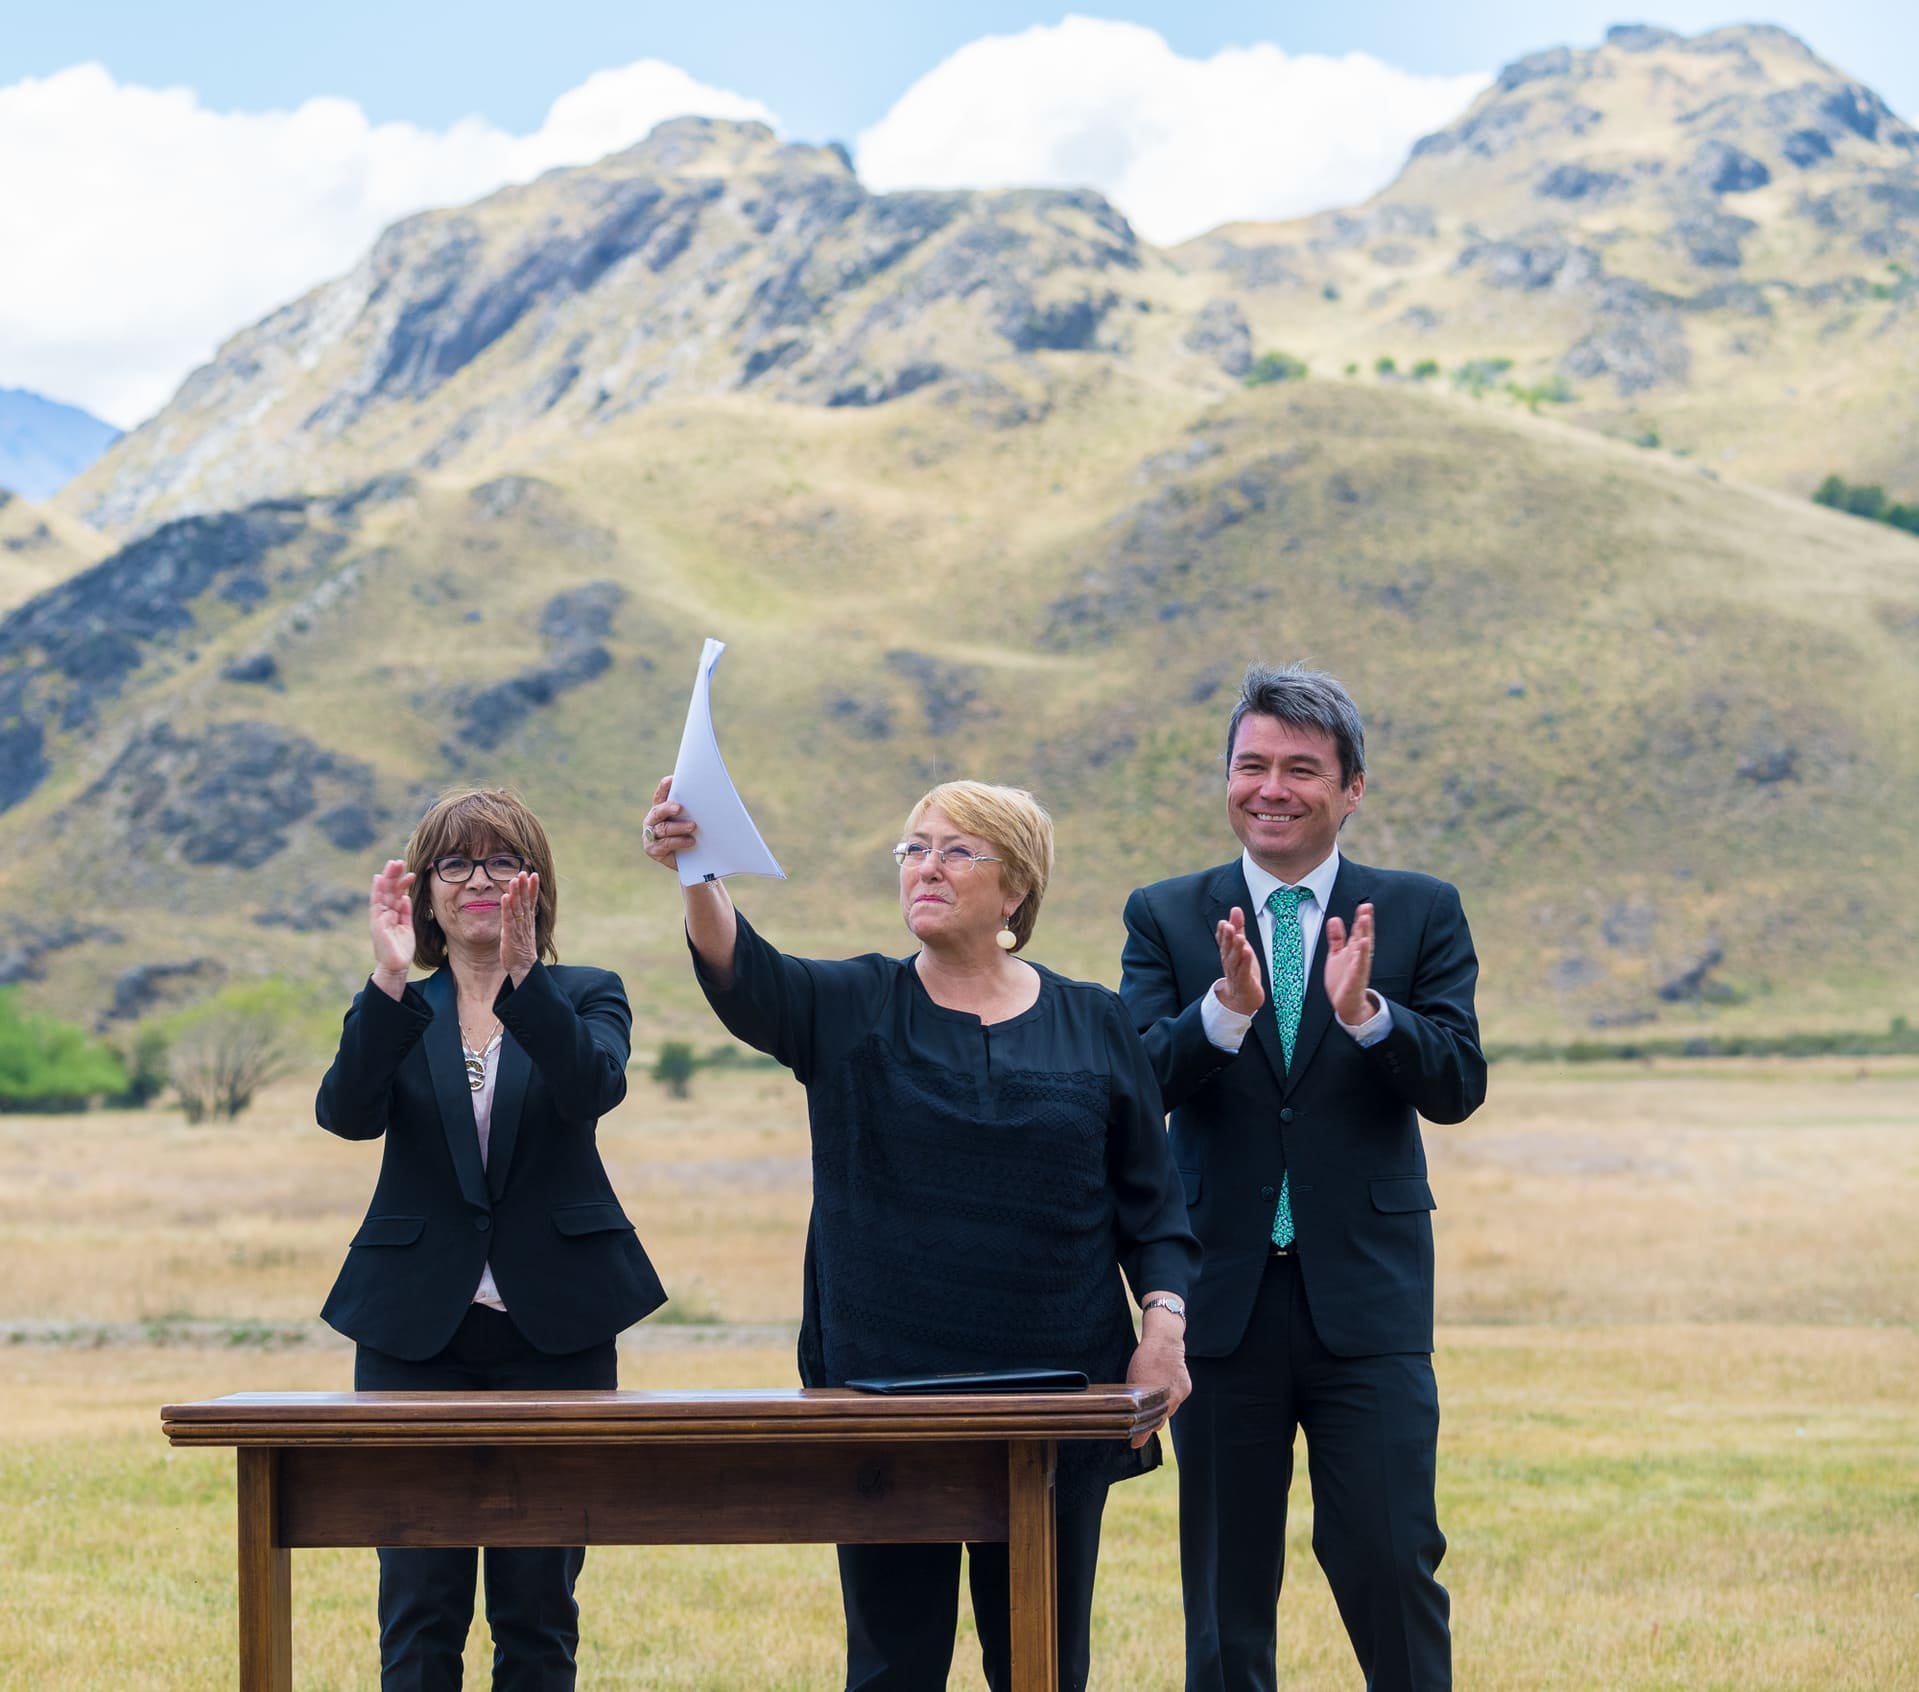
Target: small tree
x,y
1425,369
674,1067
226,1050
1384,365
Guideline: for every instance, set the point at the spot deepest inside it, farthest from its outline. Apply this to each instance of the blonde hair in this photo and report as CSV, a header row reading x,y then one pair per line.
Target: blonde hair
x,y
1017,826
469,821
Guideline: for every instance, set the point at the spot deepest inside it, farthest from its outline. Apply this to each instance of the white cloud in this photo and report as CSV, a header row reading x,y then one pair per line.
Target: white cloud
x,y
139,229
1179,145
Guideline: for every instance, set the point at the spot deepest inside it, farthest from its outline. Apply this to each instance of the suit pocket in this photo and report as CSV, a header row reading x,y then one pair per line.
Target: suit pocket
x,y
390,1231
1190,1179
598,1218
1397,1194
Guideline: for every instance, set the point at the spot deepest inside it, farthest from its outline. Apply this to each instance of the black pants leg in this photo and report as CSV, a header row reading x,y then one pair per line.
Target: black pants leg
x,y
426,1595
1372,1426
902,1607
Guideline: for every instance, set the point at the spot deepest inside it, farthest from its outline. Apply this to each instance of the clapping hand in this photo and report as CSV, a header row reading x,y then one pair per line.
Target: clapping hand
x,y
1349,966
519,933
1240,987
390,916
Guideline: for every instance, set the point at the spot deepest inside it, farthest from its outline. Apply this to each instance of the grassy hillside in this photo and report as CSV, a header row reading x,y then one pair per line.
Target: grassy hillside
x,y
39,547
1644,718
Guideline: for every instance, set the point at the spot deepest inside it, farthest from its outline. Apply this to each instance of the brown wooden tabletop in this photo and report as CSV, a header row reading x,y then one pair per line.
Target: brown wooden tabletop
x,y
587,1418
634,1468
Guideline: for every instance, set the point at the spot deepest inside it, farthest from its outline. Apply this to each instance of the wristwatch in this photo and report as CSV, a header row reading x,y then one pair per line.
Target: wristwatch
x,y
1166,1301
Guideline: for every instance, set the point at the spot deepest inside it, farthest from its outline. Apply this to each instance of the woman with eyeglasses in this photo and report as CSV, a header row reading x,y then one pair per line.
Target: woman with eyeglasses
x,y
494,1254
989,1151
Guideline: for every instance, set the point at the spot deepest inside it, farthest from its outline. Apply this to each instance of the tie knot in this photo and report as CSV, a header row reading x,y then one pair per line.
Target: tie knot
x,y
1285,901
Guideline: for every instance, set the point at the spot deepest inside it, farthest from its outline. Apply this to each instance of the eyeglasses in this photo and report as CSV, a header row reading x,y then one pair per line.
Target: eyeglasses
x,y
957,859
454,869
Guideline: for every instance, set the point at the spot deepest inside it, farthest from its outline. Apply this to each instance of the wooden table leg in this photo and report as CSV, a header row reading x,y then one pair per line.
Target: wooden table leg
x,y
266,1591
1032,1555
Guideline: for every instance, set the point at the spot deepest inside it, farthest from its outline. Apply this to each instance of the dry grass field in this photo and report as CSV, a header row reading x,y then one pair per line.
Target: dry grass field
x,y
1678,1359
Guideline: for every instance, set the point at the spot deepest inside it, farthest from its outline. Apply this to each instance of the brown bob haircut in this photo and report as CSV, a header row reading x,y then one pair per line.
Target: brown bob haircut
x,y
473,821
1020,831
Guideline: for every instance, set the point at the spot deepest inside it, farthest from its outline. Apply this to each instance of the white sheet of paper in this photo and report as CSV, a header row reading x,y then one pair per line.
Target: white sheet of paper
x,y
728,843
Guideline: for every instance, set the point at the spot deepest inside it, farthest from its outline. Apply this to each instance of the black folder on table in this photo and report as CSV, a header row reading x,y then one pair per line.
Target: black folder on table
x,y
990,1380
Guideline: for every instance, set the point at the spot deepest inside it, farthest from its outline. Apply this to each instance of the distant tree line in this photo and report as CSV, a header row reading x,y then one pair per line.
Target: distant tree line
x,y
215,1056
1869,501
1898,1039
1475,376
676,1063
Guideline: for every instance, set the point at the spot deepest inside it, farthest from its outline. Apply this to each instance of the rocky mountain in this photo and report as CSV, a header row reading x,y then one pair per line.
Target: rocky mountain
x,y
1707,243
973,483
44,444
710,259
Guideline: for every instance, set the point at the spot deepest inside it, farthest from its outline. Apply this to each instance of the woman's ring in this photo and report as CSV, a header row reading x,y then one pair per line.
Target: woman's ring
x,y
646,833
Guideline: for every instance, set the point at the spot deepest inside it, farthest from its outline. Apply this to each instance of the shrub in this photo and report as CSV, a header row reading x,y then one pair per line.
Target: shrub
x,y
1425,369
1274,367
1867,500
147,1066
1555,390
1384,366
46,1064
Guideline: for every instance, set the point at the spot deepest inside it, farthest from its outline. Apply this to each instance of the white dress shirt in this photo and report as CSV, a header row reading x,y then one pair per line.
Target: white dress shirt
x,y
1226,1027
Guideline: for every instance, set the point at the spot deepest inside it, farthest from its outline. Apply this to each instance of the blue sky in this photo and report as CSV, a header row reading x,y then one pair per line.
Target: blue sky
x,y
232,157
829,70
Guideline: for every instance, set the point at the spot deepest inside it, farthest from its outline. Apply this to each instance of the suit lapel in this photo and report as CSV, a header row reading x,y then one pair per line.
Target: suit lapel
x,y
450,1089
1317,1013
1230,889
509,1093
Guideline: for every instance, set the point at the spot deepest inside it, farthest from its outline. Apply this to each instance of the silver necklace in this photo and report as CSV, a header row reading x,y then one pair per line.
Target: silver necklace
x,y
476,1061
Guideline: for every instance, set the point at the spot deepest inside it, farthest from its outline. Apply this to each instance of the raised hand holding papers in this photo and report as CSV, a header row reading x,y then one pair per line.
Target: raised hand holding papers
x,y
727,842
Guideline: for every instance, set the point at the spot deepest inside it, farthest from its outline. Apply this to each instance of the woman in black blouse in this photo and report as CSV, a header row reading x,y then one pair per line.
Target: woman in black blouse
x,y
988,1151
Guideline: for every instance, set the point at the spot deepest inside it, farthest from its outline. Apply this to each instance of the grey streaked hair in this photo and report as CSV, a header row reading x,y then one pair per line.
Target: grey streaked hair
x,y
1308,699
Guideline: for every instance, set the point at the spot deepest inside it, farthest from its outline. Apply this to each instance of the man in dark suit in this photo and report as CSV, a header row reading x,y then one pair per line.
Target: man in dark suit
x,y
1302,1012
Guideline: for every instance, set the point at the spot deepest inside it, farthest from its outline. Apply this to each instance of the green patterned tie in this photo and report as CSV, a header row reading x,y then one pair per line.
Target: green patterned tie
x,y
1289,998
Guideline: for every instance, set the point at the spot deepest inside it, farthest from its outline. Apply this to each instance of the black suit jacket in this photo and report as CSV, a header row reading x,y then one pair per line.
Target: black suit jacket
x,y
565,1258
1344,1121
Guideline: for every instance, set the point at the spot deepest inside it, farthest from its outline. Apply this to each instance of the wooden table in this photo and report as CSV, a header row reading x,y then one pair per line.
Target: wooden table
x,y
648,1468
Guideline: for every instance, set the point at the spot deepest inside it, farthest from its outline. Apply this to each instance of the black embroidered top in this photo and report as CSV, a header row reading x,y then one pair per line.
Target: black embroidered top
x,y
976,1187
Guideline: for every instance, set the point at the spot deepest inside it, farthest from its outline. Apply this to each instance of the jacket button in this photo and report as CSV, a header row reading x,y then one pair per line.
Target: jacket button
x,y
1266,1192
482,1223
1286,1115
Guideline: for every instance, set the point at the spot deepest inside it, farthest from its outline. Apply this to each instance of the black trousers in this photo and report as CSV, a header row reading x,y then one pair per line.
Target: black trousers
x,y
426,1596
902,1605
1372,1434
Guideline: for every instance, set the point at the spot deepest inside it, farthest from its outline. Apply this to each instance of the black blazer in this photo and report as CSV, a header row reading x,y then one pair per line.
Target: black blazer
x,y
565,1258
1344,1123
